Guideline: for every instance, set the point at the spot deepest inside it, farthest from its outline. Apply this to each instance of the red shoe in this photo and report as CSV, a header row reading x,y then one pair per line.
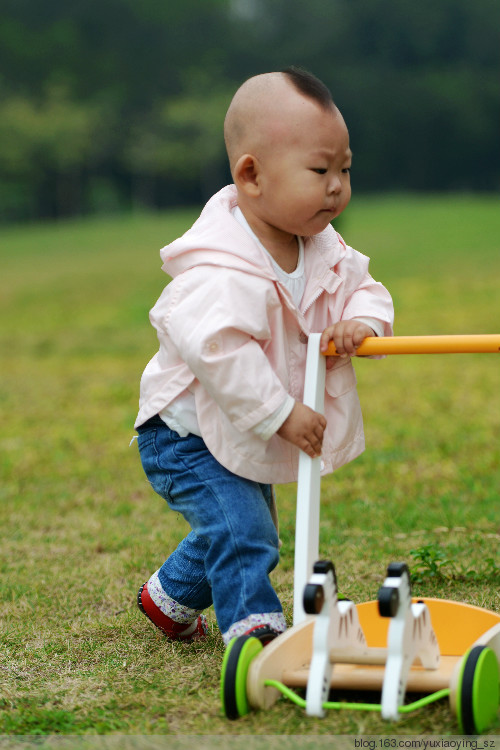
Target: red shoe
x,y
176,631
264,633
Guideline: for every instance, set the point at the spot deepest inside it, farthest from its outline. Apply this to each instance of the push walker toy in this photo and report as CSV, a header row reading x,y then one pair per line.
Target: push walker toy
x,y
395,644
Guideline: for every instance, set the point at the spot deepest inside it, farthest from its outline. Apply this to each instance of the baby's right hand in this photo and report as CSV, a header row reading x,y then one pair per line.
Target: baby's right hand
x,y
304,427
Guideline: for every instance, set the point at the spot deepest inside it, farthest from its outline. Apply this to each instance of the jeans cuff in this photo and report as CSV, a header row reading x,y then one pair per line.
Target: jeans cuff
x,y
177,612
275,620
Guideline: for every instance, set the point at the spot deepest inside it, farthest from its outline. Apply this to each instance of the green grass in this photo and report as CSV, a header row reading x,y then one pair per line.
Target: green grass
x,y
81,529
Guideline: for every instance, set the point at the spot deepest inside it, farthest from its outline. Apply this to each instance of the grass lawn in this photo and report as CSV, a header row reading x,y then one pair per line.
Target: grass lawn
x,y
81,529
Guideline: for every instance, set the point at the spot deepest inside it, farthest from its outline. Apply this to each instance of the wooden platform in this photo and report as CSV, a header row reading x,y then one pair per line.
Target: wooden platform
x,y
457,626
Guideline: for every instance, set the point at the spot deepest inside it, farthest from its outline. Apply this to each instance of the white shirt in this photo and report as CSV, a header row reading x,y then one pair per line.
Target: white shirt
x,y
295,281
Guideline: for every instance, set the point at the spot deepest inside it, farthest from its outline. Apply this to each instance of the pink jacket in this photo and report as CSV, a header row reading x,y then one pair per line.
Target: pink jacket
x,y
230,332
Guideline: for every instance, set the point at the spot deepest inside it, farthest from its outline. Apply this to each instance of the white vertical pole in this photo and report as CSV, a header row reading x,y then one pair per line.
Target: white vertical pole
x,y
308,485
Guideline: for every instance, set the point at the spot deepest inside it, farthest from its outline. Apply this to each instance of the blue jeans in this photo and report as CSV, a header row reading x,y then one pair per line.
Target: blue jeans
x,y
233,546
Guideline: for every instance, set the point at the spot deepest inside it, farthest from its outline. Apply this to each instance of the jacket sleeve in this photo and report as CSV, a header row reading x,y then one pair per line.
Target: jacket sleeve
x,y
219,323
364,297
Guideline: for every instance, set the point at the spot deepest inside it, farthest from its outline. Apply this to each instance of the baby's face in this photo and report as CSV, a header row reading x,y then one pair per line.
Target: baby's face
x,y
305,180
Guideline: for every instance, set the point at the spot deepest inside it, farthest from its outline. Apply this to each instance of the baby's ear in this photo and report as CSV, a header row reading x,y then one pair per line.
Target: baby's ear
x,y
246,175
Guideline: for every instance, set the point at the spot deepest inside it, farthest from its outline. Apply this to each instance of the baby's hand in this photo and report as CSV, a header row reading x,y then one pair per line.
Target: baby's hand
x,y
347,335
304,427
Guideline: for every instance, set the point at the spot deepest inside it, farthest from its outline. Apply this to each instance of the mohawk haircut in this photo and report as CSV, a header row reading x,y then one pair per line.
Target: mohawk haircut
x,y
310,86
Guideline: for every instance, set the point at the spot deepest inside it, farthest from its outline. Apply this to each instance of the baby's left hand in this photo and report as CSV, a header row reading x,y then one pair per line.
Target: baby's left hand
x,y
347,335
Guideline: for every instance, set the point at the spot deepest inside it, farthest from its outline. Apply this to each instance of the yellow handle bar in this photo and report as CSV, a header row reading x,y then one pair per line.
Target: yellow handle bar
x,y
459,344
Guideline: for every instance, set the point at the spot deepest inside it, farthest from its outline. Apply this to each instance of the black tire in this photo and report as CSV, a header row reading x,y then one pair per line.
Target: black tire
x,y
478,690
237,658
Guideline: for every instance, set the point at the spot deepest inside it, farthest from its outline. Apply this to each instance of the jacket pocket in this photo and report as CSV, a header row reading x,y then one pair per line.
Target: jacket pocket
x,y
340,379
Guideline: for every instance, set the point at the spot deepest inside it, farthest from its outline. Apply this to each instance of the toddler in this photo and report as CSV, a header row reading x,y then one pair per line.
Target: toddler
x,y
221,416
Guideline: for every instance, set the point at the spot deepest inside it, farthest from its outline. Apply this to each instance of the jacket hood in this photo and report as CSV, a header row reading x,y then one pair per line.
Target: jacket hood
x,y
217,238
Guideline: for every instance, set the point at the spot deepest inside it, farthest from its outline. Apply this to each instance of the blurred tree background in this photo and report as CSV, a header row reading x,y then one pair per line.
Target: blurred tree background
x,y
108,105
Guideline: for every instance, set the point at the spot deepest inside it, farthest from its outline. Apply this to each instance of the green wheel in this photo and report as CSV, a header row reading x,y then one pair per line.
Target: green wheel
x,y
478,691
239,655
